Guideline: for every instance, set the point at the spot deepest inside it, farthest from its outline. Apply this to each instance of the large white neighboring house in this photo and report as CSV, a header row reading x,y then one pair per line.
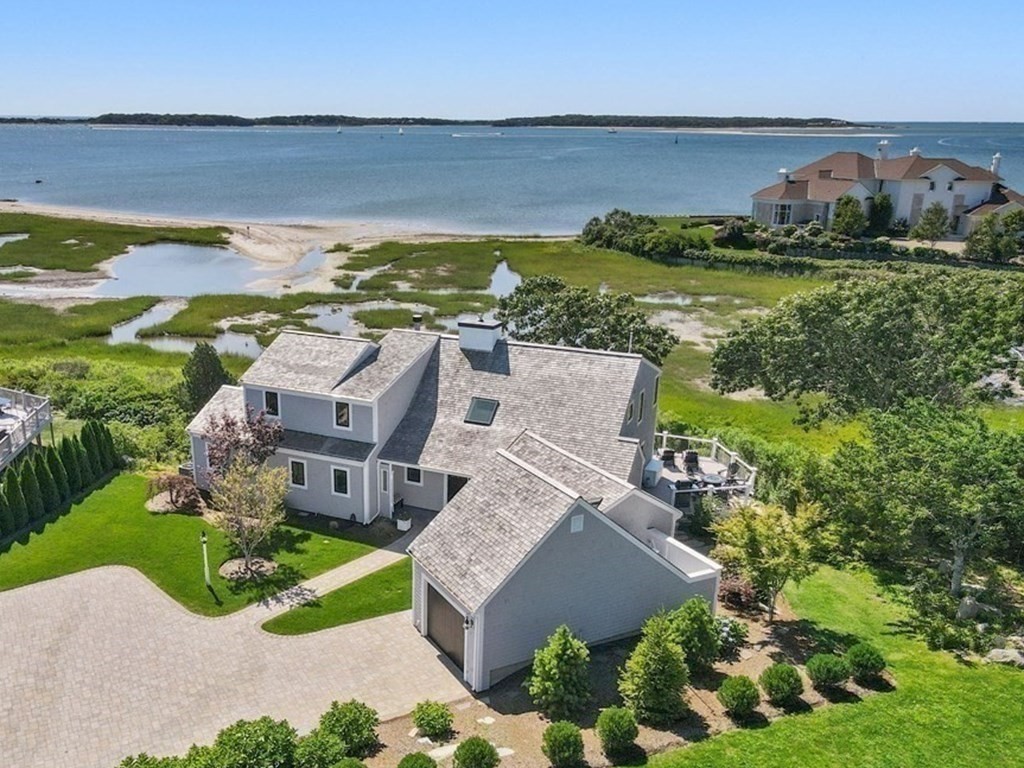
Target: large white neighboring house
x,y
533,456
913,182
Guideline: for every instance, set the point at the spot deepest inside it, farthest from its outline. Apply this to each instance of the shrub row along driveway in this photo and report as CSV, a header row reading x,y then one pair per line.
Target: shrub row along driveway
x,y
100,664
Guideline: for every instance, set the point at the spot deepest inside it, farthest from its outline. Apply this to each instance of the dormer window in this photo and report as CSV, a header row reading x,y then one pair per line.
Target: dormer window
x,y
931,185
342,416
481,411
271,404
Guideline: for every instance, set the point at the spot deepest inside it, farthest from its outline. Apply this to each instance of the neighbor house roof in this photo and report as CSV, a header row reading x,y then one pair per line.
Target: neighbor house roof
x,y
840,165
816,190
479,538
573,397
307,362
229,400
1000,197
918,166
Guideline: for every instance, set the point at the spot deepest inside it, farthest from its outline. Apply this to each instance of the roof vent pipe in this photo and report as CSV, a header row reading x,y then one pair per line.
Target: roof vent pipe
x,y
417,321
783,174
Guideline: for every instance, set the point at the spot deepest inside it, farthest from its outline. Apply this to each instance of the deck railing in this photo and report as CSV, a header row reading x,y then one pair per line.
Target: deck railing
x,y
744,475
33,414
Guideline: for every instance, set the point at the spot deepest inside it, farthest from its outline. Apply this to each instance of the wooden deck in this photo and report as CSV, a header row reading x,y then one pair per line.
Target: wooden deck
x,y
22,420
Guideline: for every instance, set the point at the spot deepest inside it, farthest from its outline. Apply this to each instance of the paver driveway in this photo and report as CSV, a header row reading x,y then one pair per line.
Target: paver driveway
x,y
101,664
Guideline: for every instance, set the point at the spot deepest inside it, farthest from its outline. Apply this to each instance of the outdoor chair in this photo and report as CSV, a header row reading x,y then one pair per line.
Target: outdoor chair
x,y
691,462
732,472
668,457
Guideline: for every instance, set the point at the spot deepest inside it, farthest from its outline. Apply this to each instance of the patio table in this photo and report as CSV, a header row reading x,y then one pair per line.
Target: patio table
x,y
713,480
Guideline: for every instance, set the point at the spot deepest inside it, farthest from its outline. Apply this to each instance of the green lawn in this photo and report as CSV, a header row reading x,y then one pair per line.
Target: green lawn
x,y
385,591
942,713
113,527
79,245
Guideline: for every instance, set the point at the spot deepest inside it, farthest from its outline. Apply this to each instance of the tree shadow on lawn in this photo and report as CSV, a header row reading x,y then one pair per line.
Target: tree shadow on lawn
x,y
23,535
802,638
267,587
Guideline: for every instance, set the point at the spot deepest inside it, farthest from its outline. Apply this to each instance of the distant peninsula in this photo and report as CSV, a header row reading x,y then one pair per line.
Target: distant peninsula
x,y
564,121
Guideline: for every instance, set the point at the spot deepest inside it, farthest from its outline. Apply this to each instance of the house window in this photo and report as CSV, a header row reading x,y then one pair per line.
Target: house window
x,y
629,412
481,411
657,386
339,478
297,473
342,416
413,476
576,524
781,214
931,185
640,408
384,480
271,404
949,186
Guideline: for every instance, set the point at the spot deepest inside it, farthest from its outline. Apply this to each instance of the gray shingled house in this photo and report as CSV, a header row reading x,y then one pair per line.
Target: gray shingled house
x,y
531,455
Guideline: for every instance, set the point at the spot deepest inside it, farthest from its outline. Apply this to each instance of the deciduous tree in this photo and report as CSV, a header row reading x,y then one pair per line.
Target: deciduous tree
x,y
766,545
880,218
249,500
849,218
546,310
933,224
250,440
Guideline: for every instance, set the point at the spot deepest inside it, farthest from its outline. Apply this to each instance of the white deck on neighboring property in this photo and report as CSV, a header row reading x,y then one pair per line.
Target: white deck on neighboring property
x,y
22,418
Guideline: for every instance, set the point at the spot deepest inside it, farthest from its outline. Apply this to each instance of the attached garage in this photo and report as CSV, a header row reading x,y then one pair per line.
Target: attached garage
x,y
445,626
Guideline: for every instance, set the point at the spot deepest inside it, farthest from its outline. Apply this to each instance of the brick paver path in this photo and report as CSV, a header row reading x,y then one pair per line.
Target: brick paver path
x,y
101,664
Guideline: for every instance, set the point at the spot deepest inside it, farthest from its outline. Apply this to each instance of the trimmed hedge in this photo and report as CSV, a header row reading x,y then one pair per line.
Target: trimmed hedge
x,y
617,730
739,696
781,683
865,662
476,752
562,744
433,719
827,670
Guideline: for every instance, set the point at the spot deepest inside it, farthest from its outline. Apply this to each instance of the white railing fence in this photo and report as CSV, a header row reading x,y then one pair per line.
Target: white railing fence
x,y
709,448
26,416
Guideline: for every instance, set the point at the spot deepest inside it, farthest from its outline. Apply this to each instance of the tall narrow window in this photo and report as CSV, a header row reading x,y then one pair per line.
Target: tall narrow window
x,y
384,480
297,472
342,415
339,478
271,404
657,387
640,408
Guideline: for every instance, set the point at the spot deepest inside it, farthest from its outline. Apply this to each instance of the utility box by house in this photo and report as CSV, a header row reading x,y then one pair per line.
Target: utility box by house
x,y
652,473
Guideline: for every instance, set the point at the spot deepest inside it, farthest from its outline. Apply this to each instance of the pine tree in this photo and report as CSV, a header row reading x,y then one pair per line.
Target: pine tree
x,y
69,457
48,490
60,475
203,375
7,526
655,674
15,499
30,488
84,465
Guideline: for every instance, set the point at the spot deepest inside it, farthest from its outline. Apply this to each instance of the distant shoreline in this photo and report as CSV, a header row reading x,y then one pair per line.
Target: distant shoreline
x,y
616,122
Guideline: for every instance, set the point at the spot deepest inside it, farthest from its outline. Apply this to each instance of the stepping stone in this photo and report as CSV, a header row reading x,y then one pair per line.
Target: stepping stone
x,y
505,752
485,720
464,705
745,654
442,752
424,740
413,733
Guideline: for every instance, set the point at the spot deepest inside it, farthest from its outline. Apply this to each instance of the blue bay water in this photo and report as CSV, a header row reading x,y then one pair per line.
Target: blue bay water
x,y
529,180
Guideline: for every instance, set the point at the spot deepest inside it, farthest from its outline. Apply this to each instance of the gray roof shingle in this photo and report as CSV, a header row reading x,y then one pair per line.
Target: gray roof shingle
x,y
574,398
398,350
307,362
334,447
226,400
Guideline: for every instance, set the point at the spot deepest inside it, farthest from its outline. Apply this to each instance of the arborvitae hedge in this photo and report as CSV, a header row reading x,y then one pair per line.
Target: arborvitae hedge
x,y
84,465
30,489
6,516
69,457
92,450
47,485
15,498
60,475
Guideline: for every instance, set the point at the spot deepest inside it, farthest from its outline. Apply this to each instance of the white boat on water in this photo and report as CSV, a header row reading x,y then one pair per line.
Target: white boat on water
x,y
612,130
339,129
401,132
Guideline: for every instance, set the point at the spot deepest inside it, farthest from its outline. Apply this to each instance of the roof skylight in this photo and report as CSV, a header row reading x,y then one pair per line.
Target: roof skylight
x,y
481,411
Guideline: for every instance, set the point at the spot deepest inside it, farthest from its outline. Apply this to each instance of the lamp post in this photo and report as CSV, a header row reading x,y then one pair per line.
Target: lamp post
x,y
206,559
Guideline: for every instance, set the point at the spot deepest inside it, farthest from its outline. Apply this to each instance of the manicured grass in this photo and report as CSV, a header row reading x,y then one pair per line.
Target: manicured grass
x,y
79,245
943,712
112,527
385,591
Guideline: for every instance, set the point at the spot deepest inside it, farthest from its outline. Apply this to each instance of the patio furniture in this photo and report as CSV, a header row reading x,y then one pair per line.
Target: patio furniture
x,y
691,462
668,457
715,481
684,485
4,403
732,471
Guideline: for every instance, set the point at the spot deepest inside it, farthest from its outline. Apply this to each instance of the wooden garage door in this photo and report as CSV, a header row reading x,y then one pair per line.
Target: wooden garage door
x,y
444,626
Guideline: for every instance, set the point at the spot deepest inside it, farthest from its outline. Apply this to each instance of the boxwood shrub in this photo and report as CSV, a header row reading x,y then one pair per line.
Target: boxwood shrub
x,y
562,744
865,662
616,728
827,670
739,696
781,683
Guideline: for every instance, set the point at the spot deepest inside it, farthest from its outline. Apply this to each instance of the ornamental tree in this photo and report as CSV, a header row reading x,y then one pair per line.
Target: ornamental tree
x,y
766,545
546,310
249,499
249,440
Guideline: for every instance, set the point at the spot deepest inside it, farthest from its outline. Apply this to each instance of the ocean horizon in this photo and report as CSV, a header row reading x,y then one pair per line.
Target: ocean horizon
x,y
459,179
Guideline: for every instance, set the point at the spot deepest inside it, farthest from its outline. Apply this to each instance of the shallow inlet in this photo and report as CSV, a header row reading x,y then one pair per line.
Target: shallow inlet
x,y
174,269
5,239
225,343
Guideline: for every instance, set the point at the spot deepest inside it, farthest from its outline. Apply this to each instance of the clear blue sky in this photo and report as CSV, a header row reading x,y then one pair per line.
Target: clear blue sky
x,y
897,60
